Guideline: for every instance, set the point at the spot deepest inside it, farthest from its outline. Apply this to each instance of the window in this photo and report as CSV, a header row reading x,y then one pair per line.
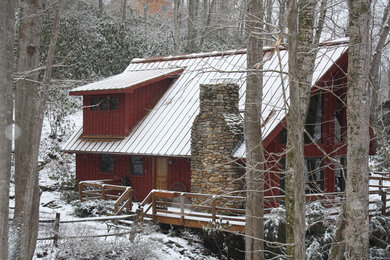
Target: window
x,y
94,103
106,163
104,103
313,119
283,136
136,166
114,103
314,175
164,9
340,174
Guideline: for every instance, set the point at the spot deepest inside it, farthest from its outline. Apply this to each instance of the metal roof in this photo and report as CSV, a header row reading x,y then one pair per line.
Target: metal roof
x,y
127,79
166,130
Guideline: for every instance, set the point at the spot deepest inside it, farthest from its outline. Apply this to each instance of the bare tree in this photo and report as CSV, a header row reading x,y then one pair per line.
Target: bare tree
x,y
193,6
254,214
376,61
268,21
301,54
358,137
100,8
30,99
123,11
176,26
208,9
7,25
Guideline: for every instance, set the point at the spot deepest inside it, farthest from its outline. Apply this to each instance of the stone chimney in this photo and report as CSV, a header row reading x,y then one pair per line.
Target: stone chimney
x,y
216,133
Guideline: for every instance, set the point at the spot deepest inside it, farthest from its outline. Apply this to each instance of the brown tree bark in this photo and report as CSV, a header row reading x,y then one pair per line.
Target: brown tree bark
x,y
7,25
358,137
176,26
193,6
376,61
123,11
30,100
100,8
301,65
254,214
268,22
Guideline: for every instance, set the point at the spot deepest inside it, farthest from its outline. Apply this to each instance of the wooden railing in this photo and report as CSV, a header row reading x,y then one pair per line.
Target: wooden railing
x,y
381,189
103,190
198,210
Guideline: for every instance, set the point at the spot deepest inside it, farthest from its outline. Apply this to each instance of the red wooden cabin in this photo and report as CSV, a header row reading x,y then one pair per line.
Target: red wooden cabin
x,y
137,125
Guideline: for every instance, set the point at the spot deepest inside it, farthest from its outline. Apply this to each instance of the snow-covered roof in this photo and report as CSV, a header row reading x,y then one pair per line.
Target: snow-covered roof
x,y
166,130
127,79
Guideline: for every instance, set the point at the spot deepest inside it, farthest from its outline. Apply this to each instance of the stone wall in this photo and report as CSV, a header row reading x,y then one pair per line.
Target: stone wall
x,y
216,132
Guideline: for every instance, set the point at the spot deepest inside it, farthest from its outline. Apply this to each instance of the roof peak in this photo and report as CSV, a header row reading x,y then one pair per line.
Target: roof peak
x,y
331,42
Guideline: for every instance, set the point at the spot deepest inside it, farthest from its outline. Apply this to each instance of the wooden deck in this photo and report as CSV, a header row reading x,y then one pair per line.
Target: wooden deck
x,y
217,211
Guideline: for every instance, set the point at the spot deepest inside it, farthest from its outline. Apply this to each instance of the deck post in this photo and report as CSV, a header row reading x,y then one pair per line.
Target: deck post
x,y
141,214
383,196
104,191
81,191
56,229
213,210
182,208
154,206
129,200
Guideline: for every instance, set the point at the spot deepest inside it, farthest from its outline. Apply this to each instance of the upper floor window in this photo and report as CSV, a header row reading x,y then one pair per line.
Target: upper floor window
x,y
104,103
106,163
313,120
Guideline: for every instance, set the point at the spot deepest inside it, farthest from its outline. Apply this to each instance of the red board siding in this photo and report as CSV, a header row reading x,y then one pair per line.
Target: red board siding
x,y
104,122
132,108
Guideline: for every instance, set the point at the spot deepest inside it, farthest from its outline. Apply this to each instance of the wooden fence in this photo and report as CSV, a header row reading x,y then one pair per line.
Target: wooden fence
x,y
57,221
103,190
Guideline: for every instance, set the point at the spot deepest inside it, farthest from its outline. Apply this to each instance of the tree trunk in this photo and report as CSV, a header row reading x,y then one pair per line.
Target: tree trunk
x,y
301,65
268,21
376,61
100,8
207,20
254,214
7,25
282,13
123,11
358,137
191,25
176,26
30,100
338,245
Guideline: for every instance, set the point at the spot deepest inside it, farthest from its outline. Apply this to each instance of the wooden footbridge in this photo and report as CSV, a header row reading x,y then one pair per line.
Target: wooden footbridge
x,y
215,211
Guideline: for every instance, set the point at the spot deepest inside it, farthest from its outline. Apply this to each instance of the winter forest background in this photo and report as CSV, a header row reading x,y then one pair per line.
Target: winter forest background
x,y
98,39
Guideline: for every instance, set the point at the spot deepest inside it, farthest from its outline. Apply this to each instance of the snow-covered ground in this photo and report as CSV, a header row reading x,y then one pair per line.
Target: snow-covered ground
x,y
146,241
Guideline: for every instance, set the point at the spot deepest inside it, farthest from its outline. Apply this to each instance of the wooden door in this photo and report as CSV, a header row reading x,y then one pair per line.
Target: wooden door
x,y
160,173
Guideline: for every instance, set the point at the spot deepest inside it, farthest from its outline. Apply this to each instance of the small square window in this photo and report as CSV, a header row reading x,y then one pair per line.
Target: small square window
x,y
114,103
94,103
164,9
104,104
107,163
136,166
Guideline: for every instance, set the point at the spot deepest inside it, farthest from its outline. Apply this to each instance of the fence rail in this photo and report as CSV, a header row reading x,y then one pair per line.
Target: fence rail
x,y
103,190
